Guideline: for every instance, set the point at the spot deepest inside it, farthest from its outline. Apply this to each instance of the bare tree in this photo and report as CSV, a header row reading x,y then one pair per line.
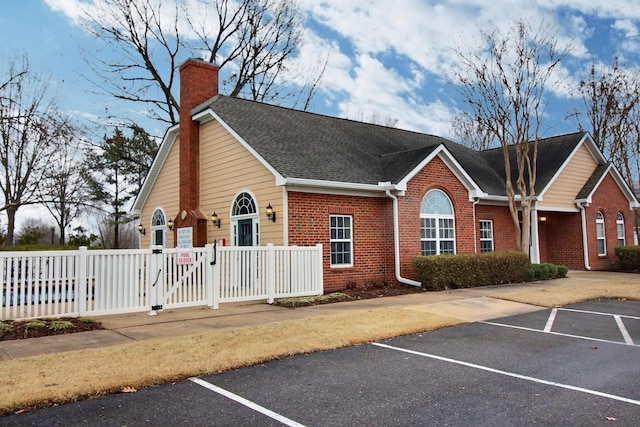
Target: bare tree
x,y
63,190
470,134
30,125
252,41
502,88
611,100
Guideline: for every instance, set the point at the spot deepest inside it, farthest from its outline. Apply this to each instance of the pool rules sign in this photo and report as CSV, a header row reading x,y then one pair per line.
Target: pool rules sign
x,y
185,245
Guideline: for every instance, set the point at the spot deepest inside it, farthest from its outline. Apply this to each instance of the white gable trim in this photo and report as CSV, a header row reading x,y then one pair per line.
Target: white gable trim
x,y
158,162
441,151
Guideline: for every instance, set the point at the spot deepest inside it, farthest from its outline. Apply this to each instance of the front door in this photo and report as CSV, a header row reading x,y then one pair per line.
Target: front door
x,y
245,272
245,232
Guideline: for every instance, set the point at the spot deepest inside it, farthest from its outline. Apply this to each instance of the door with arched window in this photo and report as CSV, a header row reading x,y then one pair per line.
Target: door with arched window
x,y
437,225
158,228
245,221
245,227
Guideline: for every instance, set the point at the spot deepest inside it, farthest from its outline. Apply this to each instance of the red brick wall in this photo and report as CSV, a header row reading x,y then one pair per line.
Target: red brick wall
x,y
436,175
561,239
610,200
504,232
372,235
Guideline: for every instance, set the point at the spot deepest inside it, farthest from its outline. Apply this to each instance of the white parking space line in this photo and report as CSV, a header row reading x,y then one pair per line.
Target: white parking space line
x,y
512,374
550,320
623,330
523,328
249,404
599,313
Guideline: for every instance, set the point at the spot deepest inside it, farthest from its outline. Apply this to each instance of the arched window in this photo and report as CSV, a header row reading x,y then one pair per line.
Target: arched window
x,y
600,236
245,221
437,230
158,228
620,228
244,205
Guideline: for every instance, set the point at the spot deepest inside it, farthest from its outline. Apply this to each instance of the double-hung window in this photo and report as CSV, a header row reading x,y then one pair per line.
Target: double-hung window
x,y
341,231
486,235
437,229
600,236
620,228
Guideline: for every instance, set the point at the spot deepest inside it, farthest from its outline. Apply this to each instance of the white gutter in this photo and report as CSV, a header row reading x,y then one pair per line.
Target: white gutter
x,y
585,247
396,243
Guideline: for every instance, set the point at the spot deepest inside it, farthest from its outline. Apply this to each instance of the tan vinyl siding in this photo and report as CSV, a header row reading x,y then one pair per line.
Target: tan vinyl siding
x,y
569,182
227,168
164,195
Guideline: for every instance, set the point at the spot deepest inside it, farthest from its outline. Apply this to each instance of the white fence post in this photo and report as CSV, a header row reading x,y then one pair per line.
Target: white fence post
x,y
271,273
81,281
319,274
215,282
208,275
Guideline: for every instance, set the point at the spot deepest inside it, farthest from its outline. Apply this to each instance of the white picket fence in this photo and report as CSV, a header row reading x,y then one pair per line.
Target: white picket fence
x,y
99,282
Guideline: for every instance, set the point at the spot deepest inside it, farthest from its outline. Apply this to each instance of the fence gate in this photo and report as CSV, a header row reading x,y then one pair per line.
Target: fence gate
x,y
156,279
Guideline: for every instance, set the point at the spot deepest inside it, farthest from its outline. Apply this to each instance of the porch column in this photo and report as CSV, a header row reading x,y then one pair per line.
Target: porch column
x,y
534,244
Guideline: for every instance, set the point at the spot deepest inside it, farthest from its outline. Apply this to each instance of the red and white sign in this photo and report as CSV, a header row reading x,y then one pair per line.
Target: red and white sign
x,y
185,257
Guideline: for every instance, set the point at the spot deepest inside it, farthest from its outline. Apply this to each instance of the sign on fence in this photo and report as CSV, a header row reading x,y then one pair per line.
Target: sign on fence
x,y
185,245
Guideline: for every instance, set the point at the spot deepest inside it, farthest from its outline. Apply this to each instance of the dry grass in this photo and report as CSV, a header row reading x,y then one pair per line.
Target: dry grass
x,y
71,376
553,296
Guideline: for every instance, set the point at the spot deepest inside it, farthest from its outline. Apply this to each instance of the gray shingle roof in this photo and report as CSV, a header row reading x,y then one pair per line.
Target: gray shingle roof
x,y
593,180
552,153
316,147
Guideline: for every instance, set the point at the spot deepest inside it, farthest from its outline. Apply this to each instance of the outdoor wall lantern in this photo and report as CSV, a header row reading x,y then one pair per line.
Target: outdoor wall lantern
x,y
141,229
216,221
271,215
170,224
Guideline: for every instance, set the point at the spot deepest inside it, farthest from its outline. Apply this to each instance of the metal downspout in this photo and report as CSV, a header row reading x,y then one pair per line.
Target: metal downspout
x,y
396,243
585,247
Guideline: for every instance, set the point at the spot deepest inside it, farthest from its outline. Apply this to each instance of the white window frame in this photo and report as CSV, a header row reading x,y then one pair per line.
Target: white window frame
x,y
486,234
341,235
601,237
620,229
158,224
437,222
249,210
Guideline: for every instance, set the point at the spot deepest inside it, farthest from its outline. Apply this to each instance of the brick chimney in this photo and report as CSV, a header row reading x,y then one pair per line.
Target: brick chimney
x,y
198,83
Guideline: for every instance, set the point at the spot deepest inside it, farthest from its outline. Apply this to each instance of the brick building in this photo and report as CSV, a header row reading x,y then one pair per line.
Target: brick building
x,y
373,196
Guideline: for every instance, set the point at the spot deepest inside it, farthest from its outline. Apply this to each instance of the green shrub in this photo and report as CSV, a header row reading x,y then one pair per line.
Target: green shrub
x,y
84,319
629,257
563,270
35,324
438,272
60,325
546,271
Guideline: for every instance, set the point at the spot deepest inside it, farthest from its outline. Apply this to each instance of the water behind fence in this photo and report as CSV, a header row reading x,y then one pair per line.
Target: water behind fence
x,y
96,282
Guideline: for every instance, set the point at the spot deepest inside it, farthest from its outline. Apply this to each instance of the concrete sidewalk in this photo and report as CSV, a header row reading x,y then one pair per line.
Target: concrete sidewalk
x,y
468,304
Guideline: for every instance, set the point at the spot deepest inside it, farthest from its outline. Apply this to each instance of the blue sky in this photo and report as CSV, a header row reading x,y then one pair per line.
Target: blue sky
x,y
386,58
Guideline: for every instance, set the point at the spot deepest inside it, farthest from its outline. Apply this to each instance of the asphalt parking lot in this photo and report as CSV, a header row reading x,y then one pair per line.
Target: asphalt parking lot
x,y
575,365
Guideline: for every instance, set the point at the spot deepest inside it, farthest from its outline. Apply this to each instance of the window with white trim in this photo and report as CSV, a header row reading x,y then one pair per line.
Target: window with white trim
x,y
341,240
600,236
620,228
486,235
158,228
437,230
